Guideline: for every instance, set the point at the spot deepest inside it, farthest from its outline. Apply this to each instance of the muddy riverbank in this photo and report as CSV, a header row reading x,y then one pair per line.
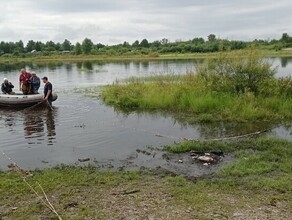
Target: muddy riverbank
x,y
255,183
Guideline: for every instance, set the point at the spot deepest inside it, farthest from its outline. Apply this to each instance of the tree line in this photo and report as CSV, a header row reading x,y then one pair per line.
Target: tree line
x,y
164,46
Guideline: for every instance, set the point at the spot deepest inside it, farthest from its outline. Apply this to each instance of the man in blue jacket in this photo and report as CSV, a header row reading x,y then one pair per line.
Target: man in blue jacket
x,y
35,83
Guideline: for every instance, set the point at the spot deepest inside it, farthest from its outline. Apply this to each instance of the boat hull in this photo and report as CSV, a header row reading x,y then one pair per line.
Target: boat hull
x,y
21,101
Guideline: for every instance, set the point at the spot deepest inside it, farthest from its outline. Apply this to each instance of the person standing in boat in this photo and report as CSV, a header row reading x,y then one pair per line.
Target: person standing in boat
x,y
48,90
24,82
35,83
7,87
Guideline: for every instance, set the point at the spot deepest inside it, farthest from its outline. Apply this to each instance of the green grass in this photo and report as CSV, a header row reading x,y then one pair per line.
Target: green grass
x,y
260,178
189,95
68,184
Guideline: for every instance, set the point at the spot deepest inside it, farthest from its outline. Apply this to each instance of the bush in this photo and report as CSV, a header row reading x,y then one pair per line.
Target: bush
x,y
237,72
285,86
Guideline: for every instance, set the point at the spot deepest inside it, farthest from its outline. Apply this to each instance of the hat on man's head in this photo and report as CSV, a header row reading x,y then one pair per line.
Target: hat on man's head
x,y
45,78
5,79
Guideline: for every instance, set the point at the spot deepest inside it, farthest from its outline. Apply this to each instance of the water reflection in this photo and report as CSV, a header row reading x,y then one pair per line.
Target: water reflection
x,y
68,67
53,65
51,127
285,61
88,65
145,65
8,67
228,129
33,125
199,130
9,122
127,65
39,126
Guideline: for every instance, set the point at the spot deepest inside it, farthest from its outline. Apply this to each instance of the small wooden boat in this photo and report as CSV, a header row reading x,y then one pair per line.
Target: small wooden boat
x,y
22,101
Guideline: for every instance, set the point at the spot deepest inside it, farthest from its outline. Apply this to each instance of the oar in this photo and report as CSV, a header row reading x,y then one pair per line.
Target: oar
x,y
50,105
31,107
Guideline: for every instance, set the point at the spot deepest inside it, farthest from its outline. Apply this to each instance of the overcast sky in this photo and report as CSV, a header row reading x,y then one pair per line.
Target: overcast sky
x,y
115,21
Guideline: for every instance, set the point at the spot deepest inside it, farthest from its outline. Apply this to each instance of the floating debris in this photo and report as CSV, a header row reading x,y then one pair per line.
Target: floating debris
x,y
80,126
84,160
207,158
158,135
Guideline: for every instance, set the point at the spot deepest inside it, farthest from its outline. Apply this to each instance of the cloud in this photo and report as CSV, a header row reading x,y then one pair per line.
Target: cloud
x,y
115,21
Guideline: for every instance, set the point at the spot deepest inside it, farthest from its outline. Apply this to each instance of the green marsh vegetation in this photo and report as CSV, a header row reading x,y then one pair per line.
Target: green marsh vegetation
x,y
233,86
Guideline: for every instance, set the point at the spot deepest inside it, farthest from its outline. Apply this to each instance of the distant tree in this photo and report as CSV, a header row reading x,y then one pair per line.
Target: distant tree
x,y
78,48
164,41
58,47
126,44
156,44
66,45
99,46
144,43
19,47
38,46
235,45
30,46
50,46
211,37
5,47
285,37
136,44
87,46
198,40
196,45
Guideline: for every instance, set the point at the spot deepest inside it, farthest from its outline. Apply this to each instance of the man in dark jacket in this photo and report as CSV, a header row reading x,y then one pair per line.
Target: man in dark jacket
x,y
7,87
48,90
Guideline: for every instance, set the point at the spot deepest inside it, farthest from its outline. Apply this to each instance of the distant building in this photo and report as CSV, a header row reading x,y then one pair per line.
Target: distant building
x,y
65,52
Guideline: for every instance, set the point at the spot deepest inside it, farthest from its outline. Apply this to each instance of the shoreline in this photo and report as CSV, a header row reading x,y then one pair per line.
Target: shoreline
x,y
77,58
256,189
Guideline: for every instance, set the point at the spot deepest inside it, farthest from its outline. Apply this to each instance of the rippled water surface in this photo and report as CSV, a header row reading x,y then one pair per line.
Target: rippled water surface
x,y
82,127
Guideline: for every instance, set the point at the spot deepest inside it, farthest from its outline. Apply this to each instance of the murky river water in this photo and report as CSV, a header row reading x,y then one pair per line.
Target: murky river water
x,y
82,127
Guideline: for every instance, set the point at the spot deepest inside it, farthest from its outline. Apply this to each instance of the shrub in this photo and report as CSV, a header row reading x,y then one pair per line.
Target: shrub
x,y
237,72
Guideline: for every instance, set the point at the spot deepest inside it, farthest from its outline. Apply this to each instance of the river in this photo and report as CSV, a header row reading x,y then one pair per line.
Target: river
x,y
82,127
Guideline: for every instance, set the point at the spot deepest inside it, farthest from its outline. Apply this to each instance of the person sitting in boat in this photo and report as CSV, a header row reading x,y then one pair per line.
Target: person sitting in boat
x,y
35,83
7,87
24,82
